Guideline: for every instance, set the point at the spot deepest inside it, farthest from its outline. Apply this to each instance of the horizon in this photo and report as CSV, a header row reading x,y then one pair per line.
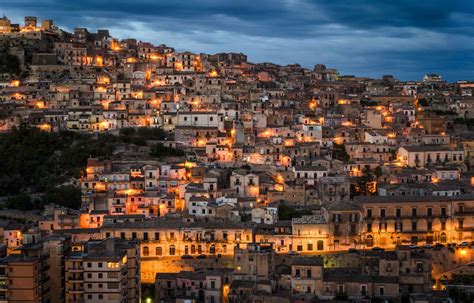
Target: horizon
x,y
407,47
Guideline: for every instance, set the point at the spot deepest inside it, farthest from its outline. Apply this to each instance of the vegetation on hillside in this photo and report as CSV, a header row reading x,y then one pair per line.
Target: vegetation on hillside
x,y
41,164
286,212
9,64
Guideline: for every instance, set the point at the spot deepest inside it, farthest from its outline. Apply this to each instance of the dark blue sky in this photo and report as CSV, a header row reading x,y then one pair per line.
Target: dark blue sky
x,y
406,38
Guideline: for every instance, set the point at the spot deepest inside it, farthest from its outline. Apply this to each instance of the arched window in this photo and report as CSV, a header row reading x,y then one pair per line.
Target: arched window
x,y
186,250
159,251
146,251
172,250
193,249
199,249
212,250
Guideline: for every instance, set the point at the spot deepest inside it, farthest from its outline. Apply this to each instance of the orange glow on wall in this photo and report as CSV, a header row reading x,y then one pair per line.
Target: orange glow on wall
x,y
99,60
45,127
346,123
178,66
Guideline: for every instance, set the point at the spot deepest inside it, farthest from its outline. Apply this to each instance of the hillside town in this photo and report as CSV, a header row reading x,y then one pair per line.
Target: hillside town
x,y
266,183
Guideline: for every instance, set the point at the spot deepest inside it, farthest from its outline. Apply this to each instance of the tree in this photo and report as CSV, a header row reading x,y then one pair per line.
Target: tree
x,y
378,172
67,196
286,212
423,102
9,64
339,152
21,201
159,151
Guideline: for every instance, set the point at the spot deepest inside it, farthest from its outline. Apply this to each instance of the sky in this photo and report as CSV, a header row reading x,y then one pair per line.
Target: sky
x,y
405,38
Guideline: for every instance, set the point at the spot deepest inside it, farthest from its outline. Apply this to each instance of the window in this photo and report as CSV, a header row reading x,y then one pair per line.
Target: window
x,y
382,213
382,290
363,290
297,273
100,264
159,251
172,250
429,226
308,273
413,226
369,213
320,245
399,227
113,285
443,211
89,264
419,266
413,212
101,275
146,251
399,214
430,211
340,288
369,227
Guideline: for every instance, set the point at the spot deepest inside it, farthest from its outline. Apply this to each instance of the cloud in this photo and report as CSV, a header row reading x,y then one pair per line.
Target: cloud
x,y
404,37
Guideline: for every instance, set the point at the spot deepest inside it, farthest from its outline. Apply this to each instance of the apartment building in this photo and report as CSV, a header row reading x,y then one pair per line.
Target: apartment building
x,y
414,220
106,270
420,156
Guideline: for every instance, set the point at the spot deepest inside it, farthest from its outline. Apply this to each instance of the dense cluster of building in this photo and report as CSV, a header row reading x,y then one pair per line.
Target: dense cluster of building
x,y
296,185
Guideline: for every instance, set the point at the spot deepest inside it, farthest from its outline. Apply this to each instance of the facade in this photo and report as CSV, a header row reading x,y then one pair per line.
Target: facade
x,y
107,270
228,180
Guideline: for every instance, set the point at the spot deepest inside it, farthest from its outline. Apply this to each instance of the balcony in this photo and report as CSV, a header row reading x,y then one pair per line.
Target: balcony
x,y
75,269
75,289
74,278
464,213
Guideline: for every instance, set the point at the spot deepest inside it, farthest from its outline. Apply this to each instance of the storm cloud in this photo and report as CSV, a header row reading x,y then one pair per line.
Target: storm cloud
x,y
362,37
